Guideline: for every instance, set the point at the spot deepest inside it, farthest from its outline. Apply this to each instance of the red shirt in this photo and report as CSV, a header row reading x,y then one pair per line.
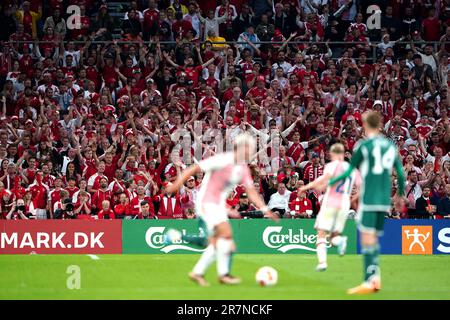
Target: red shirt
x,y
122,209
431,29
181,28
109,73
423,130
171,206
27,22
192,73
99,196
90,168
72,191
151,16
94,180
410,114
312,173
92,74
54,196
39,195
110,169
213,83
296,151
82,211
106,214
257,94
135,205
300,205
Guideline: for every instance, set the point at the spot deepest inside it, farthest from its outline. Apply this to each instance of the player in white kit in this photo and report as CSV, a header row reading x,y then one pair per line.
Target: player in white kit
x,y
222,173
335,205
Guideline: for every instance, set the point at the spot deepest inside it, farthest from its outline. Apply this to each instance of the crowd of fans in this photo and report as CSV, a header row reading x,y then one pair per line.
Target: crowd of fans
x,y
95,124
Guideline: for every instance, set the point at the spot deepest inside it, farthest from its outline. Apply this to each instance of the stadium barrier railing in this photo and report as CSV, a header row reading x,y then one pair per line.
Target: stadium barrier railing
x,y
344,44
290,236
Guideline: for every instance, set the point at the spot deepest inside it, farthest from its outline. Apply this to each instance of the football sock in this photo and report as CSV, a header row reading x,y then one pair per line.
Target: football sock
x,y
371,261
198,240
321,250
208,257
335,241
224,253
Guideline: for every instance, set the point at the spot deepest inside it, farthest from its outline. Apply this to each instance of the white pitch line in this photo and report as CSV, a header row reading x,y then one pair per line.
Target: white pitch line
x,y
93,257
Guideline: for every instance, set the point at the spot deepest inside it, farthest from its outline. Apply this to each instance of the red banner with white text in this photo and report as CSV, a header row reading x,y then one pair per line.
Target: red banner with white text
x,y
60,237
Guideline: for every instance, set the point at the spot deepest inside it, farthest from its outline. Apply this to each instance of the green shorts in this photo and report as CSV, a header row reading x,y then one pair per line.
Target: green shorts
x,y
371,221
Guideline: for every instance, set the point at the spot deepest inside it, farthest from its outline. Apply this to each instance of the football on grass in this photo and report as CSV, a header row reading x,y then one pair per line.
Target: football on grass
x,y
266,276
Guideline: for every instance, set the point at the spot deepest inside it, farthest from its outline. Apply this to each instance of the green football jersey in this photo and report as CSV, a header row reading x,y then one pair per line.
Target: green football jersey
x,y
375,158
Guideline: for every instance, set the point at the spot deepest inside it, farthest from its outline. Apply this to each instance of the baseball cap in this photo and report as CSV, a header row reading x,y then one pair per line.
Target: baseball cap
x,y
109,108
190,178
377,102
261,78
243,195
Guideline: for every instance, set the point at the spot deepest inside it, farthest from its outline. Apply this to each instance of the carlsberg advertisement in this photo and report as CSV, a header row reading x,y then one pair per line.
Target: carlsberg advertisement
x,y
251,236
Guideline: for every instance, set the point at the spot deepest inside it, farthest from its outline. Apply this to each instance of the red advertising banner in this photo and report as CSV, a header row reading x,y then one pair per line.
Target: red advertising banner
x,y
60,236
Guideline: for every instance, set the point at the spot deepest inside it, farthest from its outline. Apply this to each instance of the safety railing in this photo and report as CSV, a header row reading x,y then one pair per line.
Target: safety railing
x,y
436,44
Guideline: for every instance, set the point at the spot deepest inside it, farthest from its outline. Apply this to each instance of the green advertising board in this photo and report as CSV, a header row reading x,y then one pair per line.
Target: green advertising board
x,y
251,236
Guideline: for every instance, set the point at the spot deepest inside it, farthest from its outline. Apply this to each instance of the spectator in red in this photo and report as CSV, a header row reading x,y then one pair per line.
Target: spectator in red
x,y
144,211
100,195
39,191
83,206
313,169
431,26
299,205
93,183
122,209
135,203
106,212
170,206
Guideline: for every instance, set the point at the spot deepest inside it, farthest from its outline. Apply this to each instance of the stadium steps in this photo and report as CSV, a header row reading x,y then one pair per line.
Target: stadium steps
x,y
117,11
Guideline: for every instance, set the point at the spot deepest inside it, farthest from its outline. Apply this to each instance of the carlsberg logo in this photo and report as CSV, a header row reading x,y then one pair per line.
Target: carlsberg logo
x,y
155,239
289,240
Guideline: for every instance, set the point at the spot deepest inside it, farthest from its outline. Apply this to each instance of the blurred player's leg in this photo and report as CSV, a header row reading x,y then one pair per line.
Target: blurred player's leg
x,y
207,257
340,242
224,251
321,249
200,239
371,223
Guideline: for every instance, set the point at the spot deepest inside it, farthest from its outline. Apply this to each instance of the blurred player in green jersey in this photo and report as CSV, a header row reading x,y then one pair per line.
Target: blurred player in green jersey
x,y
375,157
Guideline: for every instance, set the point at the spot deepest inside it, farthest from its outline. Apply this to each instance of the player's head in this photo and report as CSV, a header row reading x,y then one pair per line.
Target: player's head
x,y
337,151
244,147
371,122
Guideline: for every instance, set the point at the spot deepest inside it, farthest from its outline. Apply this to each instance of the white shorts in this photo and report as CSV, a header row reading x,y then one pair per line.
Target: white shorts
x,y
331,219
212,215
41,214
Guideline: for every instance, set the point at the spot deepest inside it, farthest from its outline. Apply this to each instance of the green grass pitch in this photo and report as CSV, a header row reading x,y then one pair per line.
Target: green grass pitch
x,y
164,277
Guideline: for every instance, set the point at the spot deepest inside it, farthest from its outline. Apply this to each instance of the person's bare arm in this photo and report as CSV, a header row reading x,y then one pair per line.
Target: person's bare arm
x,y
319,184
169,60
190,171
207,63
256,199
